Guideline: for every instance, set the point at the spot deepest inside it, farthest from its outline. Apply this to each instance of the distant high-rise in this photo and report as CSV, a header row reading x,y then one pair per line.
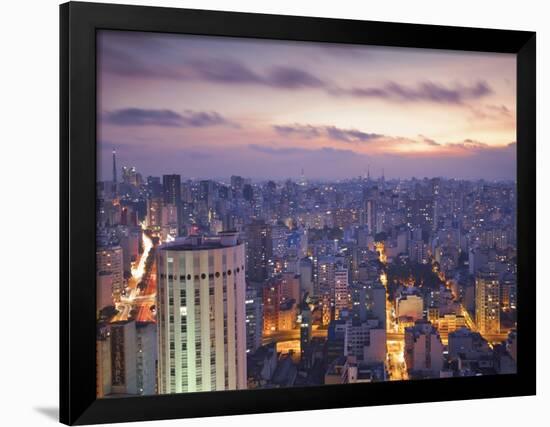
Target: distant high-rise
x,y
306,276
206,192
419,213
201,314
279,236
305,320
154,186
237,184
324,285
272,296
248,192
254,319
114,168
259,251
371,209
171,188
341,291
487,302
130,176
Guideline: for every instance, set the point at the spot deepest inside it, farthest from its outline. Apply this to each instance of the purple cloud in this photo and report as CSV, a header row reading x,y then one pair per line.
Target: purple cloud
x,y
429,141
491,112
233,72
286,151
470,144
224,71
331,132
164,117
119,62
351,135
424,91
291,78
304,131
282,151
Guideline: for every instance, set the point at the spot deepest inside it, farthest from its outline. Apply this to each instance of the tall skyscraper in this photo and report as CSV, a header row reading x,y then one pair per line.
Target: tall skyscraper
x,y
114,168
259,250
371,209
279,237
171,188
306,276
154,187
206,192
305,320
237,184
201,314
325,276
487,302
254,319
271,296
341,291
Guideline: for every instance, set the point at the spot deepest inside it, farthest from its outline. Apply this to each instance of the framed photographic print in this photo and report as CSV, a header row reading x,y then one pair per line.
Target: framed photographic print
x,y
273,213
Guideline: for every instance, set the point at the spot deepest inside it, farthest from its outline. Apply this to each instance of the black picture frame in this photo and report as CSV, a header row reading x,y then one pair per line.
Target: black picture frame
x,y
78,25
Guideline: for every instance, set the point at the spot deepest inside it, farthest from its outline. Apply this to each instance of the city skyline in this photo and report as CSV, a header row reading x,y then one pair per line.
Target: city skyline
x,y
342,282
372,173
279,214
197,106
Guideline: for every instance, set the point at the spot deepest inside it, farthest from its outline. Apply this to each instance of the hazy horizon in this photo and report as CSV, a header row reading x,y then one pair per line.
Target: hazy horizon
x,y
206,106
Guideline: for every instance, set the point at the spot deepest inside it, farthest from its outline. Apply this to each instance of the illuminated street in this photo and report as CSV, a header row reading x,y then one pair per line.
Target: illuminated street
x,y
396,362
135,299
291,335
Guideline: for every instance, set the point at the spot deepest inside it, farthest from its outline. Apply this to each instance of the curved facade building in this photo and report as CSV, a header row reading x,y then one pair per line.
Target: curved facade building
x,y
201,314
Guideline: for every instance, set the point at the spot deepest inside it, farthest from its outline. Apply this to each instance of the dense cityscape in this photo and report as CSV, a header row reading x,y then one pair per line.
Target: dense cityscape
x,y
238,283
275,214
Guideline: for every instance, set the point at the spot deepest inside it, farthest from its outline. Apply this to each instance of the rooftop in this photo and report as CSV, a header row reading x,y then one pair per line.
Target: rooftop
x,y
197,243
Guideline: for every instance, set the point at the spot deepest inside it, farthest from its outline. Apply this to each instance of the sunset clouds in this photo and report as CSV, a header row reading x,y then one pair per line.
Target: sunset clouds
x,y
193,105
163,118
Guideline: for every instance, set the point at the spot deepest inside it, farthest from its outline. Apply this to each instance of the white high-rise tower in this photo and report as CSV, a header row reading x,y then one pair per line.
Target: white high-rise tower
x,y
201,314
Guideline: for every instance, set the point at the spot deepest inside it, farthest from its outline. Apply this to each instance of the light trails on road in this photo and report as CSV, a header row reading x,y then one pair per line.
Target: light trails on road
x,y
139,269
141,301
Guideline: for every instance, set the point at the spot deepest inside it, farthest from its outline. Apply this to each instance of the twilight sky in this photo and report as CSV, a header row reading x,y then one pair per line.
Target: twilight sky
x,y
208,107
